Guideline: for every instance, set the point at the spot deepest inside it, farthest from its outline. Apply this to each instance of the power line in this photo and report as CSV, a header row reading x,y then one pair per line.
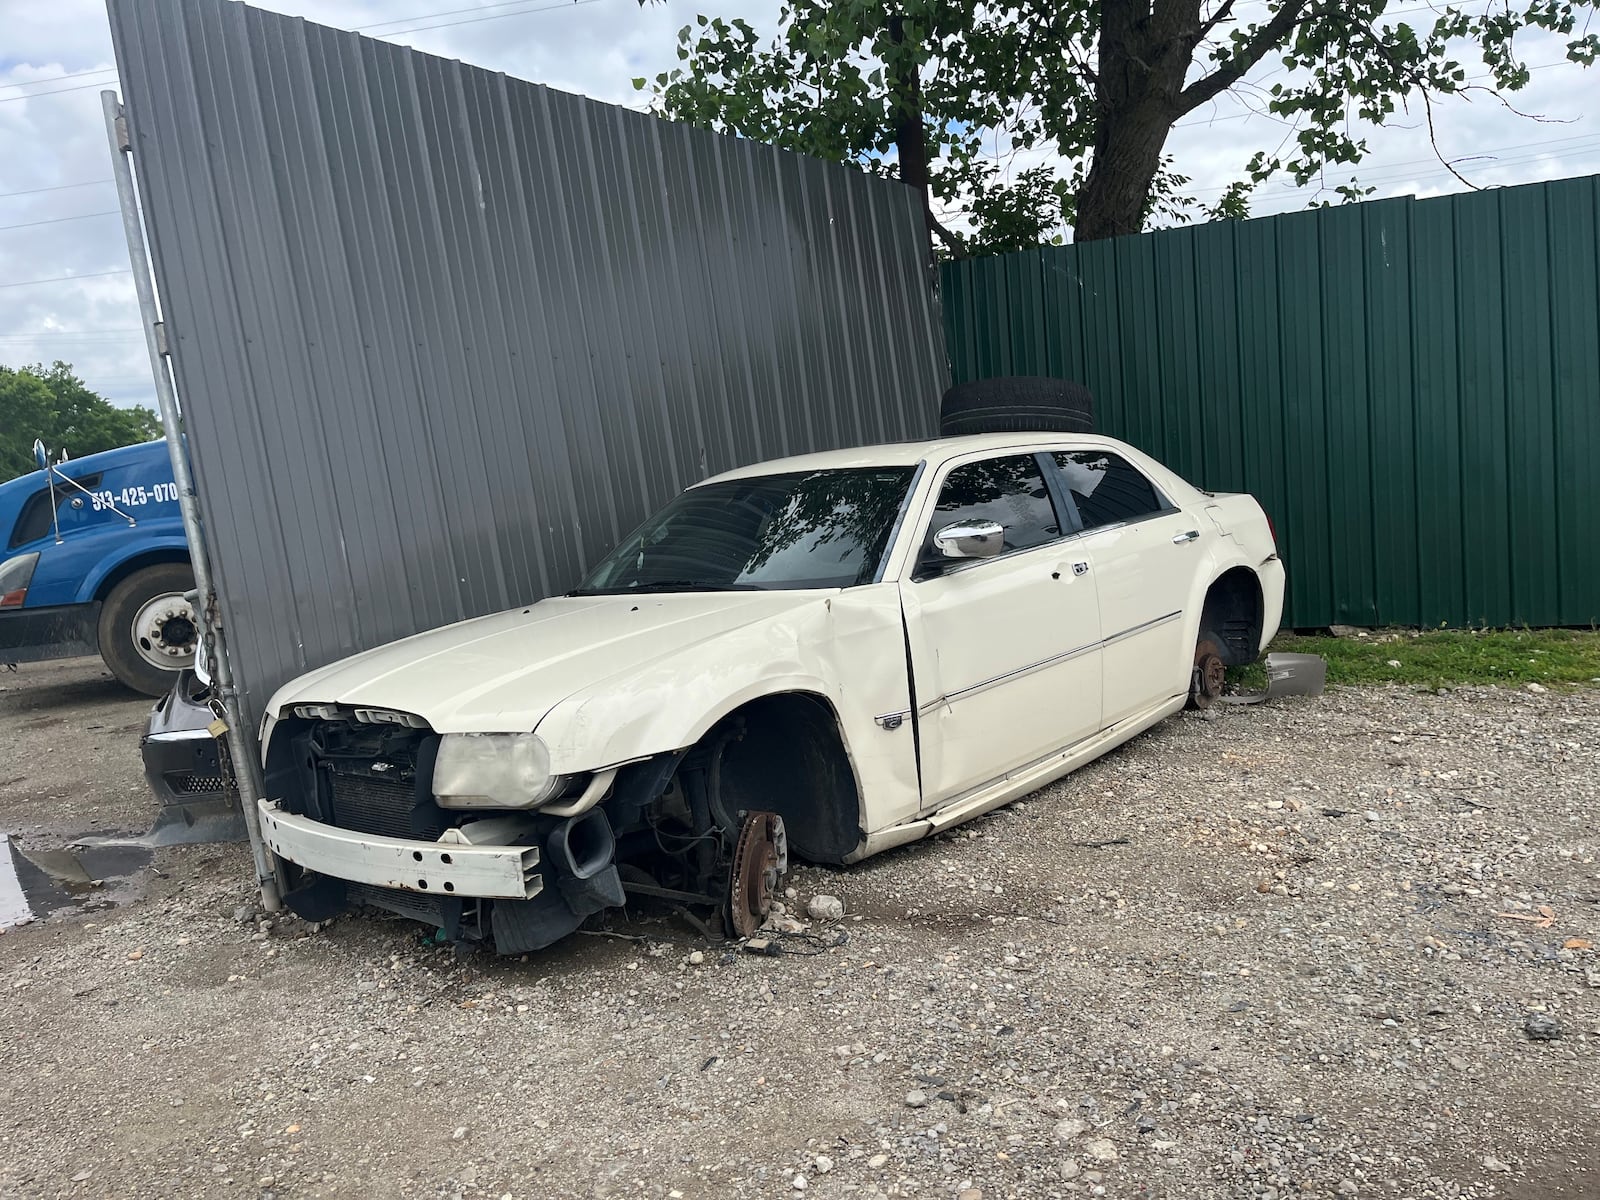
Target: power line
x,y
80,87
59,187
451,12
59,78
65,278
1387,172
525,12
110,212
57,335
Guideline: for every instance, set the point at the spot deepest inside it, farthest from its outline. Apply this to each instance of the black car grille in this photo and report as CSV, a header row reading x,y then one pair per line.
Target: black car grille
x,y
373,804
186,783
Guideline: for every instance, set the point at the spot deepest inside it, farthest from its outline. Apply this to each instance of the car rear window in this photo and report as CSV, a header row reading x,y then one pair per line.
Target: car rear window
x,y
1107,489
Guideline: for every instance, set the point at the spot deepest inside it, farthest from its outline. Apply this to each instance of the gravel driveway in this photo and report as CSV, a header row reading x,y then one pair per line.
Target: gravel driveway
x,y
1330,947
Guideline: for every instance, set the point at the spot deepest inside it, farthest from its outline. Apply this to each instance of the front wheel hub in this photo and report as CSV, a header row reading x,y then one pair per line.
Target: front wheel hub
x,y
760,860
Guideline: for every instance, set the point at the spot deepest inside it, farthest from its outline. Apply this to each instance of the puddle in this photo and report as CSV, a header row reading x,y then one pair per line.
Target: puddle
x,y
35,884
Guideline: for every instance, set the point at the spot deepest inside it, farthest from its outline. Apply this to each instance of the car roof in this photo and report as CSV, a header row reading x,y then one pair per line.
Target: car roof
x,y
908,454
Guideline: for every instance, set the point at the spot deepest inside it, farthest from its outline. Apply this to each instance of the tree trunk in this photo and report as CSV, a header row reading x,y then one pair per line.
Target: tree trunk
x,y
910,138
1127,155
1144,55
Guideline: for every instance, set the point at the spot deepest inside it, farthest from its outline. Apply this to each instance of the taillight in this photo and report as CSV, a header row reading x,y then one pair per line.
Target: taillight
x,y
1271,528
15,576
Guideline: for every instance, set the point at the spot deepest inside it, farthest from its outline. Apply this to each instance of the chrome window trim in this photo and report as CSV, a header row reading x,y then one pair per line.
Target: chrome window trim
x,y
893,541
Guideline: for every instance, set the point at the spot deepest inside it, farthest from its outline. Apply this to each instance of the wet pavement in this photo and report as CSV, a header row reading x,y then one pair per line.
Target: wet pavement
x,y
37,884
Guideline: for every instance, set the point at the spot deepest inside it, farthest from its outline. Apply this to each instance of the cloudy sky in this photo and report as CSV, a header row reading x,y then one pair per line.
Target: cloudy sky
x,y
65,291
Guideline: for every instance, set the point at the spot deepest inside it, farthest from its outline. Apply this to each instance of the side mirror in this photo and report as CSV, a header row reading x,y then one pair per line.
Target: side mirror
x,y
970,539
41,455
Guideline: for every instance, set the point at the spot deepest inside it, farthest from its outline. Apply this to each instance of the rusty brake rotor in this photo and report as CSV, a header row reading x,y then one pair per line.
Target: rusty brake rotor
x,y
760,860
1209,674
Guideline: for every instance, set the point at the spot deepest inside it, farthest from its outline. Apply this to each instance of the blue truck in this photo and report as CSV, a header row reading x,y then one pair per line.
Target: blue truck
x,y
94,561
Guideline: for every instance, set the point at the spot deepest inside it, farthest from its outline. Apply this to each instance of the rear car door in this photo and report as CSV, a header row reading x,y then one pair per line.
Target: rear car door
x,y
1145,553
1004,650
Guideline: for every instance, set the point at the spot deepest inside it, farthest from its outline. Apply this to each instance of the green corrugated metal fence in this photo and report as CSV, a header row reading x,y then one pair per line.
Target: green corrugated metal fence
x,y
1411,387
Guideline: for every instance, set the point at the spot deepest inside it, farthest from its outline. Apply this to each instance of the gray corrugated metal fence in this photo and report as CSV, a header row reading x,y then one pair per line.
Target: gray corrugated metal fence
x,y
442,337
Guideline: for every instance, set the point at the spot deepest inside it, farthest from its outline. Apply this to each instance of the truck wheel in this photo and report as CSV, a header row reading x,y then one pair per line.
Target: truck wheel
x,y
148,631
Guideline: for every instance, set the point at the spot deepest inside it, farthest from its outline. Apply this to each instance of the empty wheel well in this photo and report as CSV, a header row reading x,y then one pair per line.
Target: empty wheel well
x,y
1233,613
785,755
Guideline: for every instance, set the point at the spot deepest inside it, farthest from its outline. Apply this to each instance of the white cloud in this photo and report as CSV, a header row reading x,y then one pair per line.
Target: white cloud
x,y
594,47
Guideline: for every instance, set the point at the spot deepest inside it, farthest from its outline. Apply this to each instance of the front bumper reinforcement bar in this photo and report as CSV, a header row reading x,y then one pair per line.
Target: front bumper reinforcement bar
x,y
433,868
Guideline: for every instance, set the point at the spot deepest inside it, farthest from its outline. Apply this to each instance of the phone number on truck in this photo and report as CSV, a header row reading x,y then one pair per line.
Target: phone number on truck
x,y
133,497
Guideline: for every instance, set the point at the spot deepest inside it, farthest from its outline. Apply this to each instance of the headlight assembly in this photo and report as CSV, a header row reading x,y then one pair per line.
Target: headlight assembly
x,y
493,770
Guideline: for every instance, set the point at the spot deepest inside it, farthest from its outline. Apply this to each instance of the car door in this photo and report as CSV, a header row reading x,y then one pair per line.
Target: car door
x,y
1146,552
1004,650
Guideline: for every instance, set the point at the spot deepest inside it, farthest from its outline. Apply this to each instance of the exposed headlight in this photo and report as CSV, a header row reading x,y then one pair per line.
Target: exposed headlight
x,y
15,576
493,770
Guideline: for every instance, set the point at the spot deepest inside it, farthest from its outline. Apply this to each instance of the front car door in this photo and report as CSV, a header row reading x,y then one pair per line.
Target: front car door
x,y
1004,651
1146,552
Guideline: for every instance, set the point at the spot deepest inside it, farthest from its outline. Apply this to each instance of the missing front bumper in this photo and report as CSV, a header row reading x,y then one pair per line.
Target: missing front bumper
x,y
433,868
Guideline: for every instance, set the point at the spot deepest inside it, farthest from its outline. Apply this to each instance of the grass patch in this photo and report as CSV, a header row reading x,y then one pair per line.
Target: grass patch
x,y
1445,658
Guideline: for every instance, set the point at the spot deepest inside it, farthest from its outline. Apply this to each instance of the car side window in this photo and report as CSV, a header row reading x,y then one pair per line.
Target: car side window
x,y
1009,491
1107,488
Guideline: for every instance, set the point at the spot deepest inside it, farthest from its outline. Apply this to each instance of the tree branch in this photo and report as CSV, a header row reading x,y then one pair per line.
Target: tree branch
x,y
1433,141
951,239
1216,18
1224,77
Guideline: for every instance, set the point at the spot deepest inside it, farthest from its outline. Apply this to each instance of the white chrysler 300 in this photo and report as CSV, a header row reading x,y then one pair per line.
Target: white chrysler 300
x,y
837,653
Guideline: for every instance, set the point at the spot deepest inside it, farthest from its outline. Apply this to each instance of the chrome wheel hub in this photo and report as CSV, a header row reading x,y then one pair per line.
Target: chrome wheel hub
x,y
166,632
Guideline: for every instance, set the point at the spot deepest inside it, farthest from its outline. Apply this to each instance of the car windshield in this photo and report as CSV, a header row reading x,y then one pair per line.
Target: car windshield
x,y
803,529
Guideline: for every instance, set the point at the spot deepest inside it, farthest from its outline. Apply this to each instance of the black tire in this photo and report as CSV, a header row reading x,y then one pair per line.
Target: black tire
x,y
117,641
1017,404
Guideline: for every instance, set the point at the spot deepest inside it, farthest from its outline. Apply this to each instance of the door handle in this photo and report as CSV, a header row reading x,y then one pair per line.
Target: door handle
x,y
1190,535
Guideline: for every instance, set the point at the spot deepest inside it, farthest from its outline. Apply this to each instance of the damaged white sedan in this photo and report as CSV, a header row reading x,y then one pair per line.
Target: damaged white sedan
x,y
833,654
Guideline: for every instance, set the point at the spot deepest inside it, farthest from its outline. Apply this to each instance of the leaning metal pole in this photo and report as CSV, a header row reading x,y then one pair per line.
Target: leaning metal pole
x,y
246,763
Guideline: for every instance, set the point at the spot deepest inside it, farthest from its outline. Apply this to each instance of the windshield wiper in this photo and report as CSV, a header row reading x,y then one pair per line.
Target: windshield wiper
x,y
668,585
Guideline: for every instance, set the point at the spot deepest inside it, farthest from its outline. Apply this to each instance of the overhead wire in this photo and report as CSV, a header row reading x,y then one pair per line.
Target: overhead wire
x,y
57,187
110,212
65,278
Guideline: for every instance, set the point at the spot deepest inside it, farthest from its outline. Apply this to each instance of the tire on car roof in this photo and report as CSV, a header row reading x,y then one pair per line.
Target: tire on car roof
x,y
1017,404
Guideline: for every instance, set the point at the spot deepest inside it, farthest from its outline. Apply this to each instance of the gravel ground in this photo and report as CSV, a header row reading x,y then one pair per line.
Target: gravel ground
x,y
1264,955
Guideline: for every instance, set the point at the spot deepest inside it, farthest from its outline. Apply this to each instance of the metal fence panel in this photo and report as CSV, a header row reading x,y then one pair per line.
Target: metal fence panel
x,y
1412,388
443,337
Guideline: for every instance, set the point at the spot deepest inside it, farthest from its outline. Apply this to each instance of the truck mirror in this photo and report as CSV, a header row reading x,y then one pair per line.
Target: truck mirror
x,y
40,454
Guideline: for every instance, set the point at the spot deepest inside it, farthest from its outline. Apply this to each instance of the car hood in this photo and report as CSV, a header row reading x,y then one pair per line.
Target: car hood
x,y
503,673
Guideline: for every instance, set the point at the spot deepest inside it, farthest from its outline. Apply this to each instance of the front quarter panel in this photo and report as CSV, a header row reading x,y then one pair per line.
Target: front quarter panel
x,y
847,648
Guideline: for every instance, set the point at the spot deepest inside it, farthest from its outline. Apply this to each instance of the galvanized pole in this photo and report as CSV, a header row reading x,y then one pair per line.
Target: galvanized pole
x,y
246,764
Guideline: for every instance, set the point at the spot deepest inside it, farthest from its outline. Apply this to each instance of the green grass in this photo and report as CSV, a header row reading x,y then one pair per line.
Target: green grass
x,y
1445,658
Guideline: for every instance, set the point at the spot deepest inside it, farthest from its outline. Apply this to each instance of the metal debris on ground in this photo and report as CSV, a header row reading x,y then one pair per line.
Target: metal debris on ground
x,y
1288,675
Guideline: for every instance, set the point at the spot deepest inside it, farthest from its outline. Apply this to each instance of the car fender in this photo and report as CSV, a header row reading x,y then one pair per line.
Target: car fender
x,y
848,651
1226,555
674,702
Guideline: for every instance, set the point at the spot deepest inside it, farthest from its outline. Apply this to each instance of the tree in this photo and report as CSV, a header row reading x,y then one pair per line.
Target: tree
x,y
919,87
54,404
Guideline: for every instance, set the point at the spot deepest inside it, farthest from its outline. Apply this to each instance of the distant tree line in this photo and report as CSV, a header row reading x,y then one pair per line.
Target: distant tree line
x,y
53,404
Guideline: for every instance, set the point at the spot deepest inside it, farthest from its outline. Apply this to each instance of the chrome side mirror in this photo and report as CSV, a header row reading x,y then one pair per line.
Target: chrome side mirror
x,y
970,539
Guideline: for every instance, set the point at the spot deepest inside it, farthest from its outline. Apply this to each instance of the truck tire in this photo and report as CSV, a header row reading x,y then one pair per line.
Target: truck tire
x,y
148,631
1017,404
